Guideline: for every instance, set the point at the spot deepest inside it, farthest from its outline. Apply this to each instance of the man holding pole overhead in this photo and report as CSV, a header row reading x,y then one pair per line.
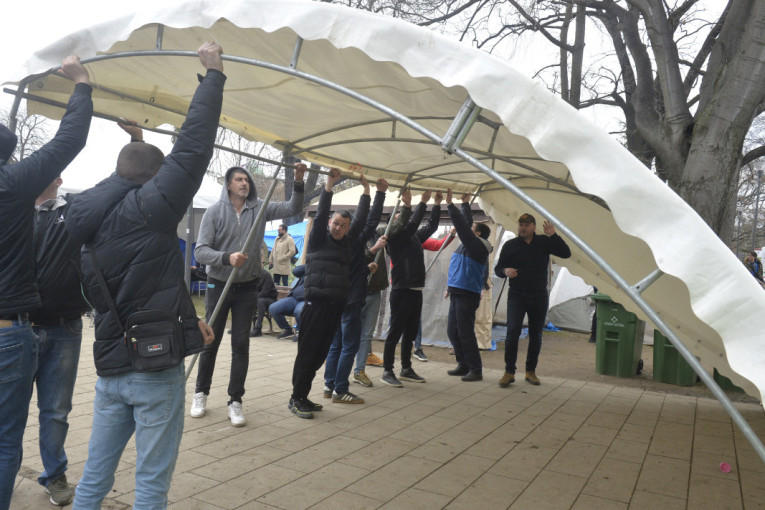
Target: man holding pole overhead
x,y
222,234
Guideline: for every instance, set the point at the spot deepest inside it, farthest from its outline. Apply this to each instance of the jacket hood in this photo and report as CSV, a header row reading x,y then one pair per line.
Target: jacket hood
x,y
8,142
252,196
90,207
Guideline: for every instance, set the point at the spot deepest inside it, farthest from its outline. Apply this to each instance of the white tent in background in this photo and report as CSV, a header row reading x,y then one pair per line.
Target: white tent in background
x,y
570,305
339,86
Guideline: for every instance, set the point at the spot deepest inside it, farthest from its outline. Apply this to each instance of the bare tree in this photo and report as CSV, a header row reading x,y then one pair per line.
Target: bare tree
x,y
32,131
688,84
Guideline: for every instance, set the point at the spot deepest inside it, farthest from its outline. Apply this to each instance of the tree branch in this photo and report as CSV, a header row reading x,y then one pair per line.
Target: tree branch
x,y
752,155
449,15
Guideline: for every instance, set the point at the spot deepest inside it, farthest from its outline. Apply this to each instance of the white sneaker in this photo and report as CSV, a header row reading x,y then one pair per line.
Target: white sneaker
x,y
236,415
198,406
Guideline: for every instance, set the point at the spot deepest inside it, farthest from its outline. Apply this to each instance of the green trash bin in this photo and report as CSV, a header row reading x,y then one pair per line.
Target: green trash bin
x,y
619,339
668,365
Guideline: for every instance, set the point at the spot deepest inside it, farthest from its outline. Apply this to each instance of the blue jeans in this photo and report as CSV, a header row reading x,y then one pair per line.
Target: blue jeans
x,y
369,315
59,354
418,338
286,306
281,277
343,350
18,362
149,404
518,305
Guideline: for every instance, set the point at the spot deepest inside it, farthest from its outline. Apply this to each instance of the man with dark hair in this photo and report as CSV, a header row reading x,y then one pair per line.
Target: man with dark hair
x,y
58,324
525,260
408,280
224,229
328,257
468,273
345,344
753,265
20,185
128,228
281,255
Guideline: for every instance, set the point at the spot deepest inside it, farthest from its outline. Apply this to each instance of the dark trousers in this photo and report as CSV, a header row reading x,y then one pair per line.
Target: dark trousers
x,y
405,309
257,317
281,277
519,305
461,330
241,301
318,324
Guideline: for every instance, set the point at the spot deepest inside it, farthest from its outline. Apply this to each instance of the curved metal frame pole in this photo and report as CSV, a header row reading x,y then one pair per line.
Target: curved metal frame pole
x,y
634,294
259,218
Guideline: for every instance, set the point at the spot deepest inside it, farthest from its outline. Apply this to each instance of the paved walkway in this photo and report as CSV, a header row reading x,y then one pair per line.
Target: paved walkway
x,y
443,444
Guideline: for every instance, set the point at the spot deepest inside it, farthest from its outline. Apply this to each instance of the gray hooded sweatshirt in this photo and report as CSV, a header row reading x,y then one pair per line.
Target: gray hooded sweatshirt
x,y
223,231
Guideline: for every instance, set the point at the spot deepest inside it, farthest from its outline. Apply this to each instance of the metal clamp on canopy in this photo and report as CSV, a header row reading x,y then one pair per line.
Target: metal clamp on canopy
x,y
460,126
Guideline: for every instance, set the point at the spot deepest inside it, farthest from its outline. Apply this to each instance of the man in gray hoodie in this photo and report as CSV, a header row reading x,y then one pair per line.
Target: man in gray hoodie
x,y
224,229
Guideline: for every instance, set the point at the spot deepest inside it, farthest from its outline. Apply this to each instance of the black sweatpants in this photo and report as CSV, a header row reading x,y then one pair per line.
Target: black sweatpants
x,y
461,330
318,325
405,309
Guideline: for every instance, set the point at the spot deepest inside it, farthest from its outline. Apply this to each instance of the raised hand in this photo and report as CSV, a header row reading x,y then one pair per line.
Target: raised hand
x,y
426,196
300,170
74,70
406,196
548,228
438,198
382,185
209,54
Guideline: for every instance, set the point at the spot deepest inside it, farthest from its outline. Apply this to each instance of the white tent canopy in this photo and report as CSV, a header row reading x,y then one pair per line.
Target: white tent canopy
x,y
382,93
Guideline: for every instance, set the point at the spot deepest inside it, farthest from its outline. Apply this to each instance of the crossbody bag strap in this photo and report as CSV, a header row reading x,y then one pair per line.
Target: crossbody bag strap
x,y
104,288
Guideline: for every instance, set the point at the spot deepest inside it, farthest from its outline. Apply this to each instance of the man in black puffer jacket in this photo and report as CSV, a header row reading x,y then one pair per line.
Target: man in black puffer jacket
x,y
20,184
407,281
128,222
327,281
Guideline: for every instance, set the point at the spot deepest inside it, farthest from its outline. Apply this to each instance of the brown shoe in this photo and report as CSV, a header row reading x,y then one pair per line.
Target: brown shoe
x,y
506,380
532,378
373,360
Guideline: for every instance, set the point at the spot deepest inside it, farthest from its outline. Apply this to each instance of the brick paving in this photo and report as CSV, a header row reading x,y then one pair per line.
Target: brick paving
x,y
445,444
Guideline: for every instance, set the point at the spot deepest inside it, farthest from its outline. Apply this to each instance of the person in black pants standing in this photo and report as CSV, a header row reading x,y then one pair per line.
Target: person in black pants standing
x,y
327,281
525,260
408,277
468,273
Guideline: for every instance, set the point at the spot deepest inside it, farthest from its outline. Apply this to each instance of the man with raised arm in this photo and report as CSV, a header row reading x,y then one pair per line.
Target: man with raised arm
x,y
327,282
20,185
468,272
222,233
408,280
525,261
128,224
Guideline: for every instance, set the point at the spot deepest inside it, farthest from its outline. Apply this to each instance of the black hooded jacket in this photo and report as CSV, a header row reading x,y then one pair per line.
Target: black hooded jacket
x,y
132,230
20,185
405,249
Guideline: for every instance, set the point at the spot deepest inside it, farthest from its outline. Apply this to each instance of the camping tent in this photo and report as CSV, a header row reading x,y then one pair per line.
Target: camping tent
x,y
419,108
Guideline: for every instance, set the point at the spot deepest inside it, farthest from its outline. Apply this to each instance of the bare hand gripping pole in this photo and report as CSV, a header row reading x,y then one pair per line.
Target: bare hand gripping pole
x,y
245,249
380,255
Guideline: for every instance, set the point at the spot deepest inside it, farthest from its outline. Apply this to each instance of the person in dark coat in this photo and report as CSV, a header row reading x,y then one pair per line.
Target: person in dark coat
x,y
525,261
128,224
20,185
266,296
408,280
327,281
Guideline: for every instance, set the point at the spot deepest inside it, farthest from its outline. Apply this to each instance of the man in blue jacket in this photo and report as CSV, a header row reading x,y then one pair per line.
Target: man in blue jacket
x,y
468,273
525,261
20,185
128,224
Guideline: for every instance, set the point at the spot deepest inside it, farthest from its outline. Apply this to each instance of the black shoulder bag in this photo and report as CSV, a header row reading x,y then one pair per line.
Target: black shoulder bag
x,y
154,338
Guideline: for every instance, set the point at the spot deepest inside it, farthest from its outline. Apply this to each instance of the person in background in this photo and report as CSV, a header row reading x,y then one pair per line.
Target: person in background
x,y
291,305
753,265
281,254
525,260
266,297
21,183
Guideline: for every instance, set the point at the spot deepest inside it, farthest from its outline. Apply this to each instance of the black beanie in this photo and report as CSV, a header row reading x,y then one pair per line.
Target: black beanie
x,y
7,143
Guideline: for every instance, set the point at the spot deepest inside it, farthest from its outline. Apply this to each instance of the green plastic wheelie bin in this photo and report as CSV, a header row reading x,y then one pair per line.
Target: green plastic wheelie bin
x,y
618,337
668,365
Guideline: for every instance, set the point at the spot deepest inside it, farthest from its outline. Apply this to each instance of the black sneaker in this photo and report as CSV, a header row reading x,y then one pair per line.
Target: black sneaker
x,y
408,374
460,371
255,333
301,408
389,378
473,376
313,405
420,355
286,333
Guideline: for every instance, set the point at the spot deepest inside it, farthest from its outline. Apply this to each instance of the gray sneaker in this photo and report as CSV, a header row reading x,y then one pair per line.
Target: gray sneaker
x,y
408,374
61,493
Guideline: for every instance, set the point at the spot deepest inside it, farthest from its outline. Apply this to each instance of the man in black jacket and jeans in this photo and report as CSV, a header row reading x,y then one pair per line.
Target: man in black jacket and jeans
x,y
20,185
328,258
408,280
128,225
